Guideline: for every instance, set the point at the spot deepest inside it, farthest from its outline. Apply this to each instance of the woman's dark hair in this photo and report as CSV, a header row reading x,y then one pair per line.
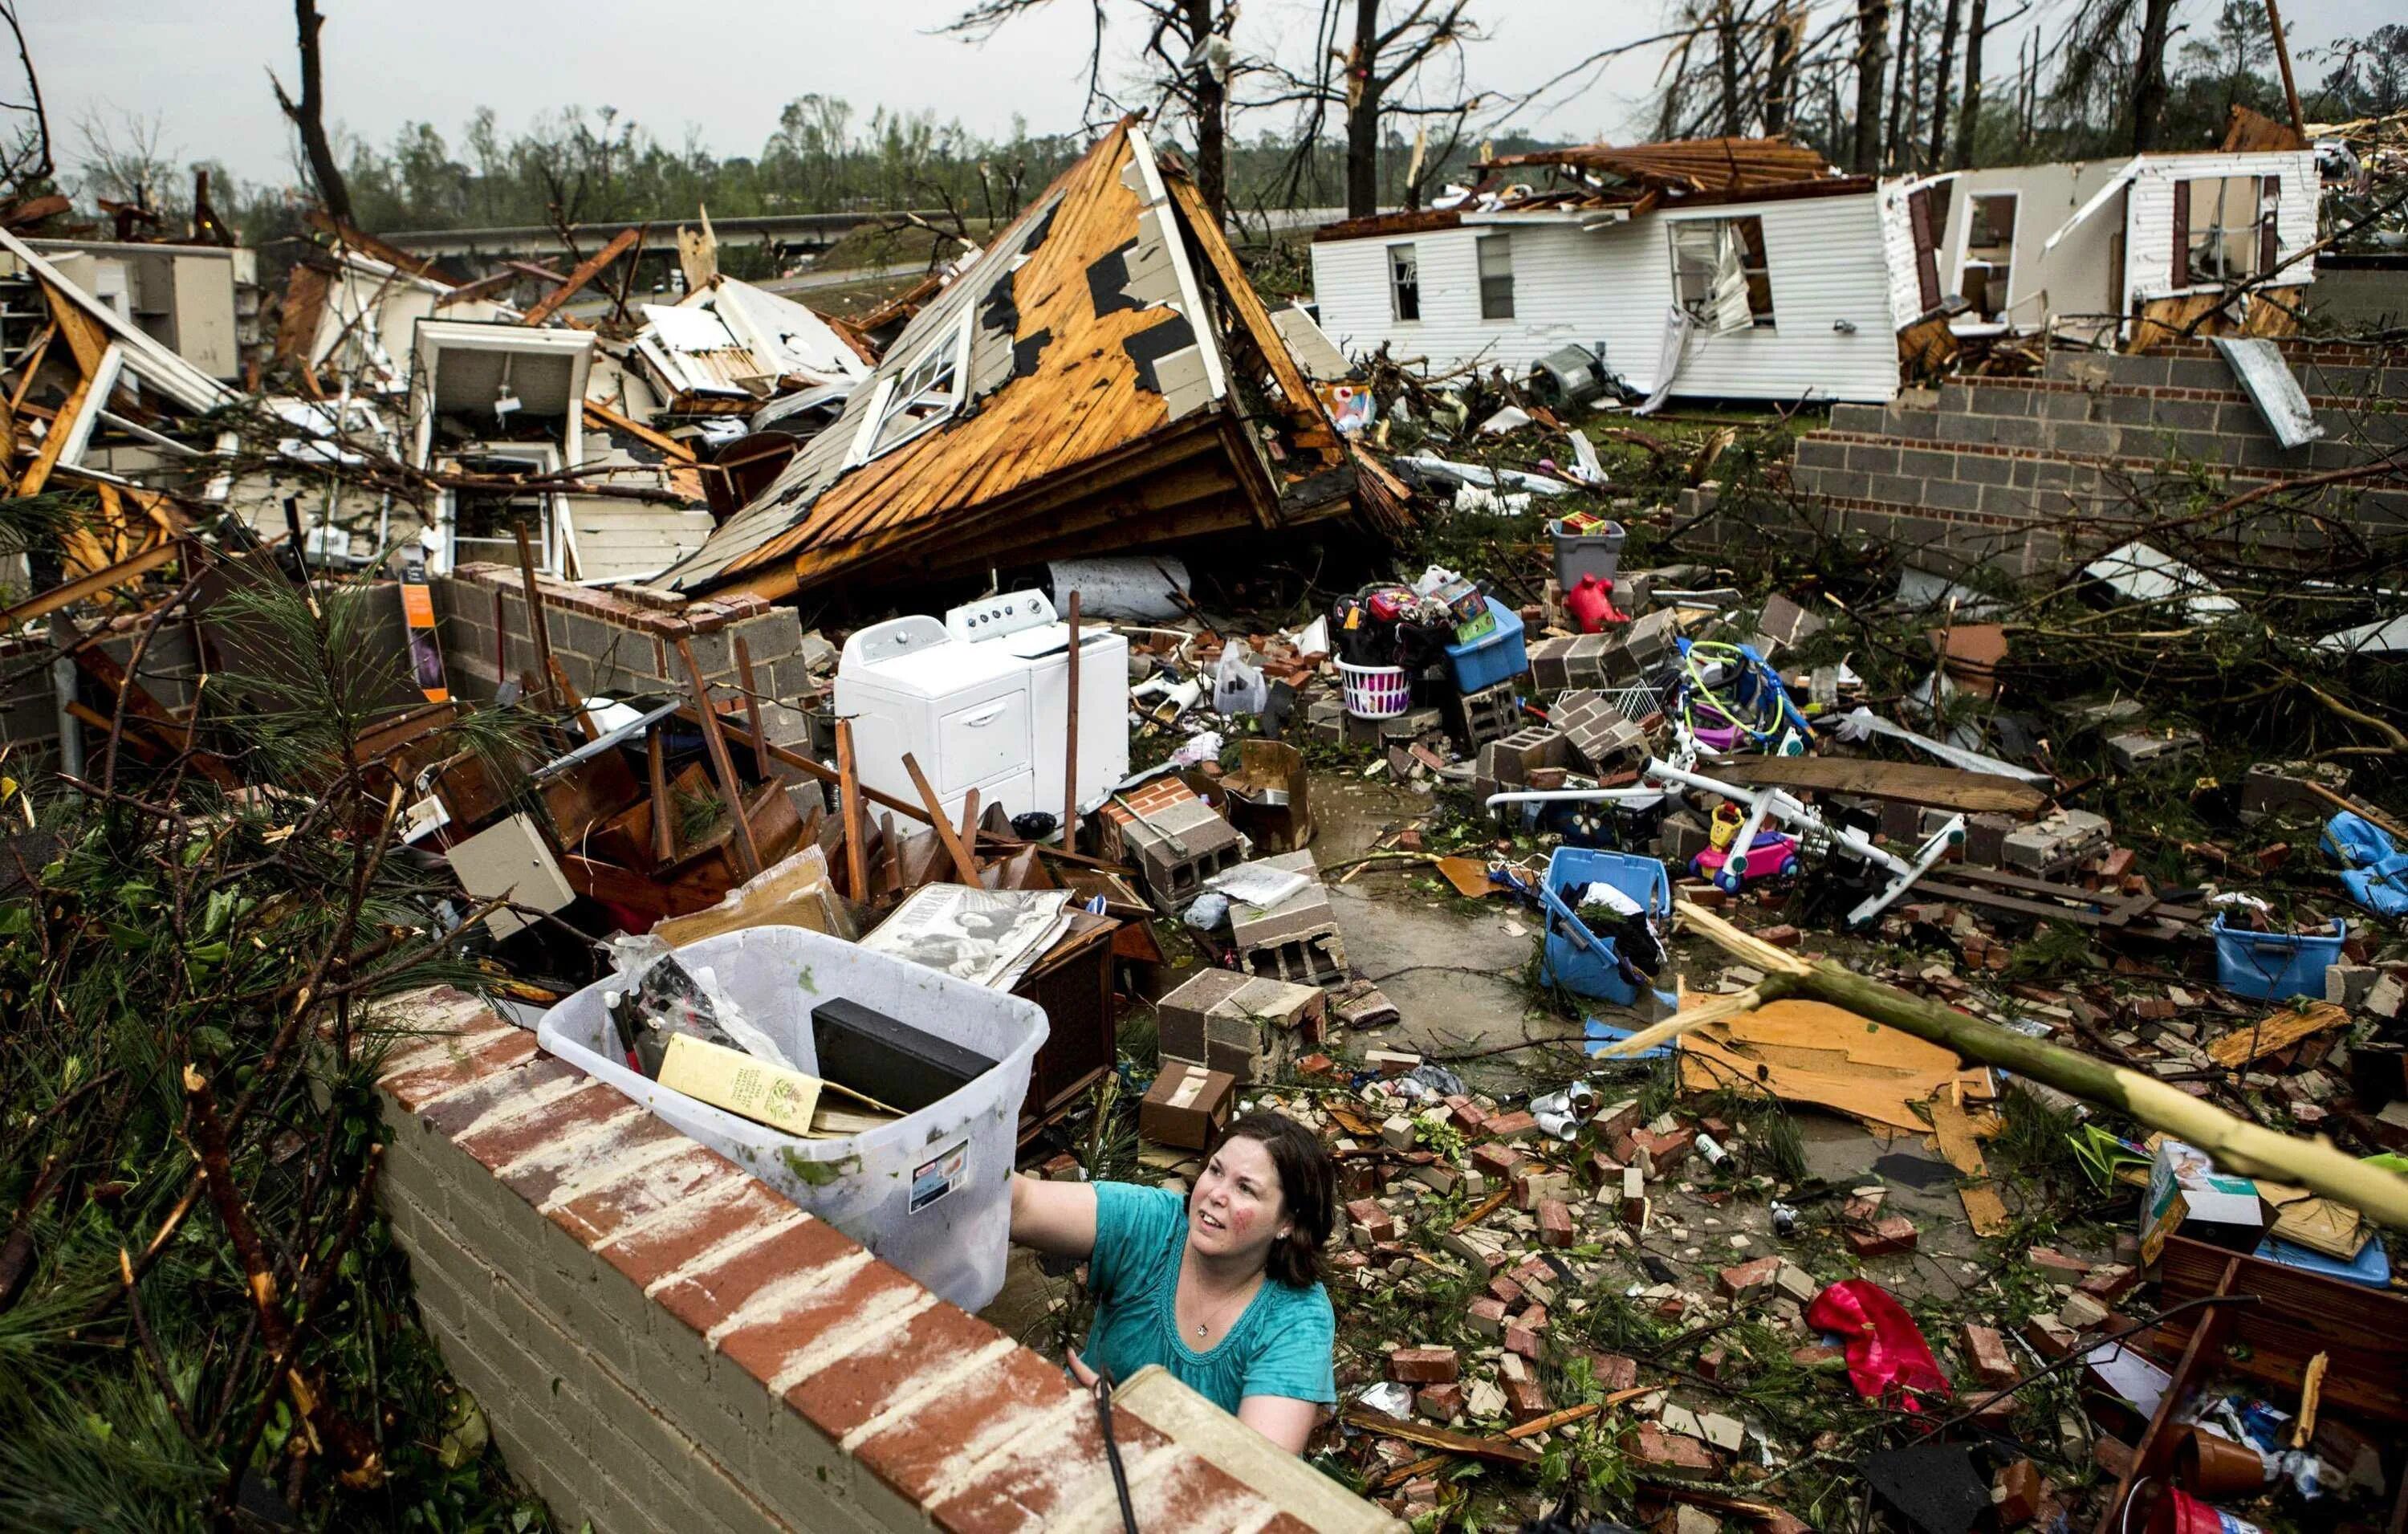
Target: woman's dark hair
x,y
1308,1184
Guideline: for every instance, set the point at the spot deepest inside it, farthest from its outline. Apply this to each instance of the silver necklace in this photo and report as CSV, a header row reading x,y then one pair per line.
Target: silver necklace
x,y
1205,1325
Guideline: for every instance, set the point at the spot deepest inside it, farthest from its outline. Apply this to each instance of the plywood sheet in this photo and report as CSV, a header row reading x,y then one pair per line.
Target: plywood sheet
x,y
1809,1051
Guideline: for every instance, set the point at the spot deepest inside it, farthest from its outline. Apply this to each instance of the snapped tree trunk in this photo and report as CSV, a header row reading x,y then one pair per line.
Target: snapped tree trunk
x,y
1212,99
1781,73
1363,113
1901,99
1726,60
2236,1145
1969,116
2149,75
1940,85
309,116
1872,62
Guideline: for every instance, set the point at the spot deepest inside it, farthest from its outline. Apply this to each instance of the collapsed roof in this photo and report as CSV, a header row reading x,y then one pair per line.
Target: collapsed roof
x,y
1101,377
1621,182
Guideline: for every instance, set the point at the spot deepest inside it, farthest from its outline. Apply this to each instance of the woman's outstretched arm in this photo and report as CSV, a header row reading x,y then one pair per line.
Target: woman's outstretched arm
x,y
1058,1218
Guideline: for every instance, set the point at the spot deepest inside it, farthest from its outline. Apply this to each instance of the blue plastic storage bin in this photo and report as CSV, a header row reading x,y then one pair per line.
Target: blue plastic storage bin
x,y
1496,657
1593,969
2273,965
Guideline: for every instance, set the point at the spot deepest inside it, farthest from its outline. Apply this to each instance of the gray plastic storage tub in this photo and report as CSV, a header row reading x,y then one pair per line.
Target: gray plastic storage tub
x,y
931,1192
1585,553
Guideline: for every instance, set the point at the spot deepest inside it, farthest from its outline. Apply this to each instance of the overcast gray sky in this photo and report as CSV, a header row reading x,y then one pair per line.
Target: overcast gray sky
x,y
726,69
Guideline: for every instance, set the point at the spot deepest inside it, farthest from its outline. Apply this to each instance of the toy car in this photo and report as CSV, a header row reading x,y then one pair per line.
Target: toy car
x,y
1773,856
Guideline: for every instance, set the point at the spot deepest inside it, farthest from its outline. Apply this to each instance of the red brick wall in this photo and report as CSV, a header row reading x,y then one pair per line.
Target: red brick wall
x,y
659,1341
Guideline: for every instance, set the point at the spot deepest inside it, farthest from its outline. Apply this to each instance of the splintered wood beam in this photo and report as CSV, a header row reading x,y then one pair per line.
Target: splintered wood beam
x,y
656,771
752,710
583,272
1071,769
90,585
964,866
534,607
848,789
722,767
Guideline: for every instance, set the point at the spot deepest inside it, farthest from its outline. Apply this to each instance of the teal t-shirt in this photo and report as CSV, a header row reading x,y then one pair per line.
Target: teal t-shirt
x,y
1283,1343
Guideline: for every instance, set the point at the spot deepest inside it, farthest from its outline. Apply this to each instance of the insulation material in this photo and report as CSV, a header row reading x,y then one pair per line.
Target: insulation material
x,y
1810,1052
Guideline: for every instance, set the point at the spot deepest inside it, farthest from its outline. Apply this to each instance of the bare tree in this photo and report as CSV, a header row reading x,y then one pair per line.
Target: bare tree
x,y
1899,93
1780,72
2149,80
1872,62
1940,83
1188,47
1969,116
1374,81
308,115
125,165
25,159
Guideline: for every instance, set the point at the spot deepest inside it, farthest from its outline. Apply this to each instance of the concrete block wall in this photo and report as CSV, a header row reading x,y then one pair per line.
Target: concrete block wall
x,y
659,1341
615,645
2028,473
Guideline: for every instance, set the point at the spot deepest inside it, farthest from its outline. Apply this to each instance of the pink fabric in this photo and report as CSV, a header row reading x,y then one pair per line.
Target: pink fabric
x,y
1886,1353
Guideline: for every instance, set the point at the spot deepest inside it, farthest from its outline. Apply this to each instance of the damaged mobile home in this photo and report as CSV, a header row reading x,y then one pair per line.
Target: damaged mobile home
x,y
1101,378
1751,269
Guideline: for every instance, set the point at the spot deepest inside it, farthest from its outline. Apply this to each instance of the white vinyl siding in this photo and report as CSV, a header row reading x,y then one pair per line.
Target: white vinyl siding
x,y
1610,288
2149,230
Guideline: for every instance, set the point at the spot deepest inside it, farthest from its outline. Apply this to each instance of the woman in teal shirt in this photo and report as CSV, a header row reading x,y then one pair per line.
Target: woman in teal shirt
x,y
1222,1288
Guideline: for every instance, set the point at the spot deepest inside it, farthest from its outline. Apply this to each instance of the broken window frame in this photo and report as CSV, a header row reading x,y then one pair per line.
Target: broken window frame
x,y
553,542
1998,280
1404,282
1754,267
2208,251
946,359
1495,287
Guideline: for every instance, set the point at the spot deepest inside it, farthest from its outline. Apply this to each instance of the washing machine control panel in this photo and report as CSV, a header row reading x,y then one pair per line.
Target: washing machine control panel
x,y
992,617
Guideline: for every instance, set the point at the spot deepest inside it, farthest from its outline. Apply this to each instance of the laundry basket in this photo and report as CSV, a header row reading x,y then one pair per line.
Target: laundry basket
x,y
930,1193
1375,692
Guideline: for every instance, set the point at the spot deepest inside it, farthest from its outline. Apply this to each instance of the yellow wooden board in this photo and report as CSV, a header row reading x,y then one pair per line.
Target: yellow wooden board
x,y
1809,1051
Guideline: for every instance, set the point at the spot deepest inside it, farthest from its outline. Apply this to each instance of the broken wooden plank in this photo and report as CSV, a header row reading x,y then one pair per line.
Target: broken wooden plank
x,y
856,856
1495,1450
964,866
2245,1046
583,272
722,767
1908,783
91,585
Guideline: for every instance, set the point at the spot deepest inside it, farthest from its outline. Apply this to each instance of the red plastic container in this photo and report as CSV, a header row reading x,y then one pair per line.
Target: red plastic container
x,y
2179,1513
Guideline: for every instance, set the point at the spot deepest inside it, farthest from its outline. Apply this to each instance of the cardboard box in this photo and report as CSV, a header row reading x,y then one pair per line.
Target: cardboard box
x,y
1187,1106
2189,1196
735,1081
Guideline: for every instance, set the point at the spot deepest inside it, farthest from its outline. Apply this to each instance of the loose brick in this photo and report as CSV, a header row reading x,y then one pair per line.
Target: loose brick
x,y
1554,1223
1495,1161
1987,1355
1439,1402
1748,1280
1512,1126
1525,1401
1423,1365
1486,1316
1671,1454
1893,1235
1373,1222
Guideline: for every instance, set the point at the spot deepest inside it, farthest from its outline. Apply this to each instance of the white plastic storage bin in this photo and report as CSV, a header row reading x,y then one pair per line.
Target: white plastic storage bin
x,y
931,1192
